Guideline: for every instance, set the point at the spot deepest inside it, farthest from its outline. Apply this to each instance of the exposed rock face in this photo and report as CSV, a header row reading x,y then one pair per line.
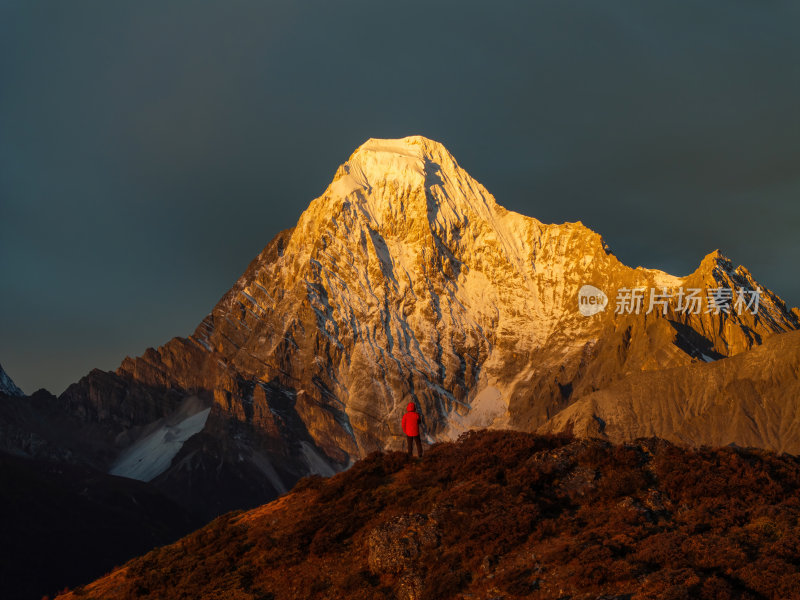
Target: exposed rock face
x,y
750,399
30,429
406,281
239,454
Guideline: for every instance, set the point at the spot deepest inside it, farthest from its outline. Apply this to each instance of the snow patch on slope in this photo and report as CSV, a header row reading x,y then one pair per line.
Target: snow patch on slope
x,y
316,464
488,410
152,454
662,279
265,466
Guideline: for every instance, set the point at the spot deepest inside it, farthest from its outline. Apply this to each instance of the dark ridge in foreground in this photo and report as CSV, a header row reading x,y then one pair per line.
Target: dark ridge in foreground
x,y
501,514
65,524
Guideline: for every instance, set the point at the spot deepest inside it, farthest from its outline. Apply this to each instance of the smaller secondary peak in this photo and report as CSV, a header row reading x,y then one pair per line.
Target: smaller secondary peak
x,y
715,255
7,386
714,259
715,265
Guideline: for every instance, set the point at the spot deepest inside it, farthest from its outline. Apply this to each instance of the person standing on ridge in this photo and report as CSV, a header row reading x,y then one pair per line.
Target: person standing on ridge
x,y
411,428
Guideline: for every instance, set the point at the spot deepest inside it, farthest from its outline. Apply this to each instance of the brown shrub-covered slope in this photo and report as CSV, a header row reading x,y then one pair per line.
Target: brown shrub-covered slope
x,y
501,514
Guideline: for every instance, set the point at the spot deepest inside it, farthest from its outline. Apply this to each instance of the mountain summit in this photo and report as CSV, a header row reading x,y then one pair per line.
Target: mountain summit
x,y
403,282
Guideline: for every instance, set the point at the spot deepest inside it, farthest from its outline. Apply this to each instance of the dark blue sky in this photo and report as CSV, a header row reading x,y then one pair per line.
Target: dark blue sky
x,y
149,150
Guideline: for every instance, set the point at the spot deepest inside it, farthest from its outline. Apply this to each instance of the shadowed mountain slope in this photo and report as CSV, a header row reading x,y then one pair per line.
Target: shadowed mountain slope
x,y
62,525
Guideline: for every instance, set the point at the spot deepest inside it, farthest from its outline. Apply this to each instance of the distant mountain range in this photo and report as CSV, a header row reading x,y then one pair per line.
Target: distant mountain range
x,y
405,281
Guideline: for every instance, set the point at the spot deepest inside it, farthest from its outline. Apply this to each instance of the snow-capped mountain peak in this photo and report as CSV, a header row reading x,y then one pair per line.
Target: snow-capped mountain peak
x,y
405,281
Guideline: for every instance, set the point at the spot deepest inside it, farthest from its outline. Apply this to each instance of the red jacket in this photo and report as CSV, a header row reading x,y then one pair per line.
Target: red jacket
x,y
411,420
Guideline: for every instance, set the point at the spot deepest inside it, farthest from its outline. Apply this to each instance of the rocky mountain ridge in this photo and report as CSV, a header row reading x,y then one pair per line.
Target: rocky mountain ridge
x,y
404,281
750,399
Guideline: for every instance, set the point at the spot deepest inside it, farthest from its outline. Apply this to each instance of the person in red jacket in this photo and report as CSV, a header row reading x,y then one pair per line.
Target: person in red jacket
x,y
411,428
